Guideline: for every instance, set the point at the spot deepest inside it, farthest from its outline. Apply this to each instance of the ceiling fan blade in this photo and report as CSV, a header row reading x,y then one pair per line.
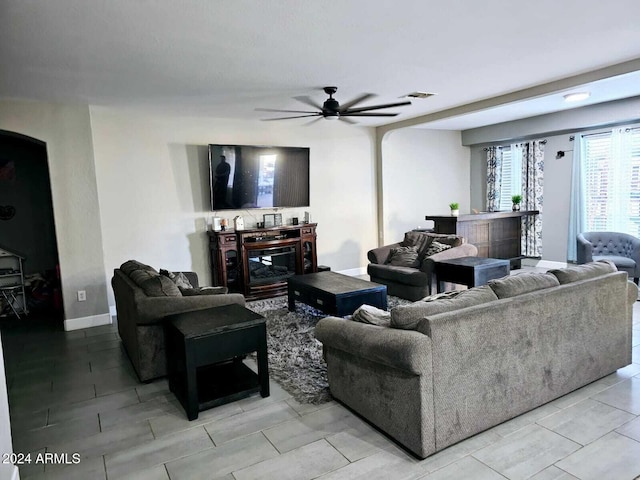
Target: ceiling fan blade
x,y
287,118
284,111
317,119
346,120
308,101
367,114
376,107
361,98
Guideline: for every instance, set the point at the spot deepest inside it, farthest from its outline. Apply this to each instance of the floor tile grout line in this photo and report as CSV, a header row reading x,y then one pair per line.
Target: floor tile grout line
x,y
488,466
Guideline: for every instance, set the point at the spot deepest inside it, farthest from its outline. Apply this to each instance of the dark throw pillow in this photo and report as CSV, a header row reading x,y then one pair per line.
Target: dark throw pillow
x,y
404,257
179,278
436,247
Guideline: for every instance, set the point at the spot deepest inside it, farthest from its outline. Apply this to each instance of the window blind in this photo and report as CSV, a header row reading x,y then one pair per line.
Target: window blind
x,y
611,181
511,176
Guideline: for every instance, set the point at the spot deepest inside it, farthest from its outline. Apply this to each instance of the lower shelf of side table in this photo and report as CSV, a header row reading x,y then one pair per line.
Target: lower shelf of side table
x,y
221,383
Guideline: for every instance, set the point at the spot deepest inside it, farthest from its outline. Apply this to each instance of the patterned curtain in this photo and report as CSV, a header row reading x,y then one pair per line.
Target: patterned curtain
x,y
494,178
532,197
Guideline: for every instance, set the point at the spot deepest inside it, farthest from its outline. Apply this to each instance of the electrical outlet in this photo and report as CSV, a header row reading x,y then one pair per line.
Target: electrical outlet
x,y
82,295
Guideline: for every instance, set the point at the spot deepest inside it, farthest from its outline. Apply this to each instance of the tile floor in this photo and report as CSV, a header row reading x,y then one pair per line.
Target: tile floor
x,y
75,392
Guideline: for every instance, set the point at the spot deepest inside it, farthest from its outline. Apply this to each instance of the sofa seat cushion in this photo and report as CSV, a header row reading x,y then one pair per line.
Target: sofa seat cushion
x,y
522,283
409,317
623,263
392,273
584,272
190,292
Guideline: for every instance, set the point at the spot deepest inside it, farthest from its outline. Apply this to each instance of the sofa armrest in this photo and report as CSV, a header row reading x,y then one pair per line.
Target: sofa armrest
x,y
379,255
632,293
584,252
154,309
402,349
464,250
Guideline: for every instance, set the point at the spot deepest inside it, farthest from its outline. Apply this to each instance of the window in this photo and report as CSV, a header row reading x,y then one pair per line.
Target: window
x,y
511,183
610,163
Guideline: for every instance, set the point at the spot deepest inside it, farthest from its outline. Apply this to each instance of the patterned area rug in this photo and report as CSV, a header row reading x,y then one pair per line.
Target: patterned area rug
x,y
295,356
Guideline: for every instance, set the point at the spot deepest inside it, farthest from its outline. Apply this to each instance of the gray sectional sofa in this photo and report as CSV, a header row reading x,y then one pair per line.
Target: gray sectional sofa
x,y
450,368
144,298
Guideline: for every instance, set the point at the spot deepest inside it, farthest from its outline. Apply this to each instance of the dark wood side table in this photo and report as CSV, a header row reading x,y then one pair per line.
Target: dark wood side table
x,y
334,293
204,356
470,271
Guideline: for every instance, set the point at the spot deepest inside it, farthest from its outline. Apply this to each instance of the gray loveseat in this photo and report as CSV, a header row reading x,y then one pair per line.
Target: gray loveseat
x,y
454,367
143,298
414,282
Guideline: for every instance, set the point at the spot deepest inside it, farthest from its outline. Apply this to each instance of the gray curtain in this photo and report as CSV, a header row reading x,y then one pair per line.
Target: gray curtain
x,y
532,196
494,177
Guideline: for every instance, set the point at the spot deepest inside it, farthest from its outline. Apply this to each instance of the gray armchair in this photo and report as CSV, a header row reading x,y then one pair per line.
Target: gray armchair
x,y
620,248
414,283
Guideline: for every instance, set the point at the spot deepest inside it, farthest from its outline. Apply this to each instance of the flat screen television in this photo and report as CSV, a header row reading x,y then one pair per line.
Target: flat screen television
x,y
250,176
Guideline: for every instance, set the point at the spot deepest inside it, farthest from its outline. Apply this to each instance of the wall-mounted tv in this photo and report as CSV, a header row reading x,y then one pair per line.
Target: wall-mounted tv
x,y
249,176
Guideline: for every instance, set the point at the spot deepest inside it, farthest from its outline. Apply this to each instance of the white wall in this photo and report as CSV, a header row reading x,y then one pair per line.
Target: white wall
x,y
152,175
556,129
557,191
67,132
423,172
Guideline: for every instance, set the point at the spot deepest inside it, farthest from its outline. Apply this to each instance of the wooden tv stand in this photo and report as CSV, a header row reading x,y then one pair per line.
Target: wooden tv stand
x,y
258,261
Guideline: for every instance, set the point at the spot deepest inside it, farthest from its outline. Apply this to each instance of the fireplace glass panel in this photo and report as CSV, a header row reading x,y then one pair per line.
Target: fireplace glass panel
x,y
270,265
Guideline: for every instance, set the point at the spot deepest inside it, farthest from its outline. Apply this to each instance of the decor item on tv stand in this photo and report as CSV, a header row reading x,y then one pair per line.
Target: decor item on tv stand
x,y
258,261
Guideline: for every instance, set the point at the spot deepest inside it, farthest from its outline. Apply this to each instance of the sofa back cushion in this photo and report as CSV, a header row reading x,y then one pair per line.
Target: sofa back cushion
x,y
522,283
160,286
151,282
408,317
583,272
132,265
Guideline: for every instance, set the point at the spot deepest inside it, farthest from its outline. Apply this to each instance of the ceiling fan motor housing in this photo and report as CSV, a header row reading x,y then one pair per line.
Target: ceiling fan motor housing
x,y
330,107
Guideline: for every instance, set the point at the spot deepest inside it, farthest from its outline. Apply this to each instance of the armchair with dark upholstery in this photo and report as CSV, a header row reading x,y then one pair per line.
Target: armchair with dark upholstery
x,y
144,298
414,283
620,248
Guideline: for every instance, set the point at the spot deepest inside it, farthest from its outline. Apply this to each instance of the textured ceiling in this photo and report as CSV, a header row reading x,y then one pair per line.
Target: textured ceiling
x,y
225,58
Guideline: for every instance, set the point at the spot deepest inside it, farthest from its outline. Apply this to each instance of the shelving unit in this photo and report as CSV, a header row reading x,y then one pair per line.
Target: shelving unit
x,y
13,300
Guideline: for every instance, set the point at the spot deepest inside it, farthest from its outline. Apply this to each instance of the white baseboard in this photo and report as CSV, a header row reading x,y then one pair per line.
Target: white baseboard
x,y
354,272
87,322
533,262
113,313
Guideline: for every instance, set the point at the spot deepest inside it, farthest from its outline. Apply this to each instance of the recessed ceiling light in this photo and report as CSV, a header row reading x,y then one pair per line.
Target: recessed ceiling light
x,y
419,95
577,96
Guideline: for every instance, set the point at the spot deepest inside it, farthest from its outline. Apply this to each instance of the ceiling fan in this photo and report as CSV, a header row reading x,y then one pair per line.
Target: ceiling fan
x,y
332,110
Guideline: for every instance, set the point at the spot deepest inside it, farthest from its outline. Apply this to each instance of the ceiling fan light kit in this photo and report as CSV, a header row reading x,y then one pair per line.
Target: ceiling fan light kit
x,y
332,110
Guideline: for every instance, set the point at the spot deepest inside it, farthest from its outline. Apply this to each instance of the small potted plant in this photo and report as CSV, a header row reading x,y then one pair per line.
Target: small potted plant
x,y
455,209
516,199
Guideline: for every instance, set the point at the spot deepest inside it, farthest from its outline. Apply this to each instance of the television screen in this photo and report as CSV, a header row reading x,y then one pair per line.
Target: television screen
x,y
245,176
